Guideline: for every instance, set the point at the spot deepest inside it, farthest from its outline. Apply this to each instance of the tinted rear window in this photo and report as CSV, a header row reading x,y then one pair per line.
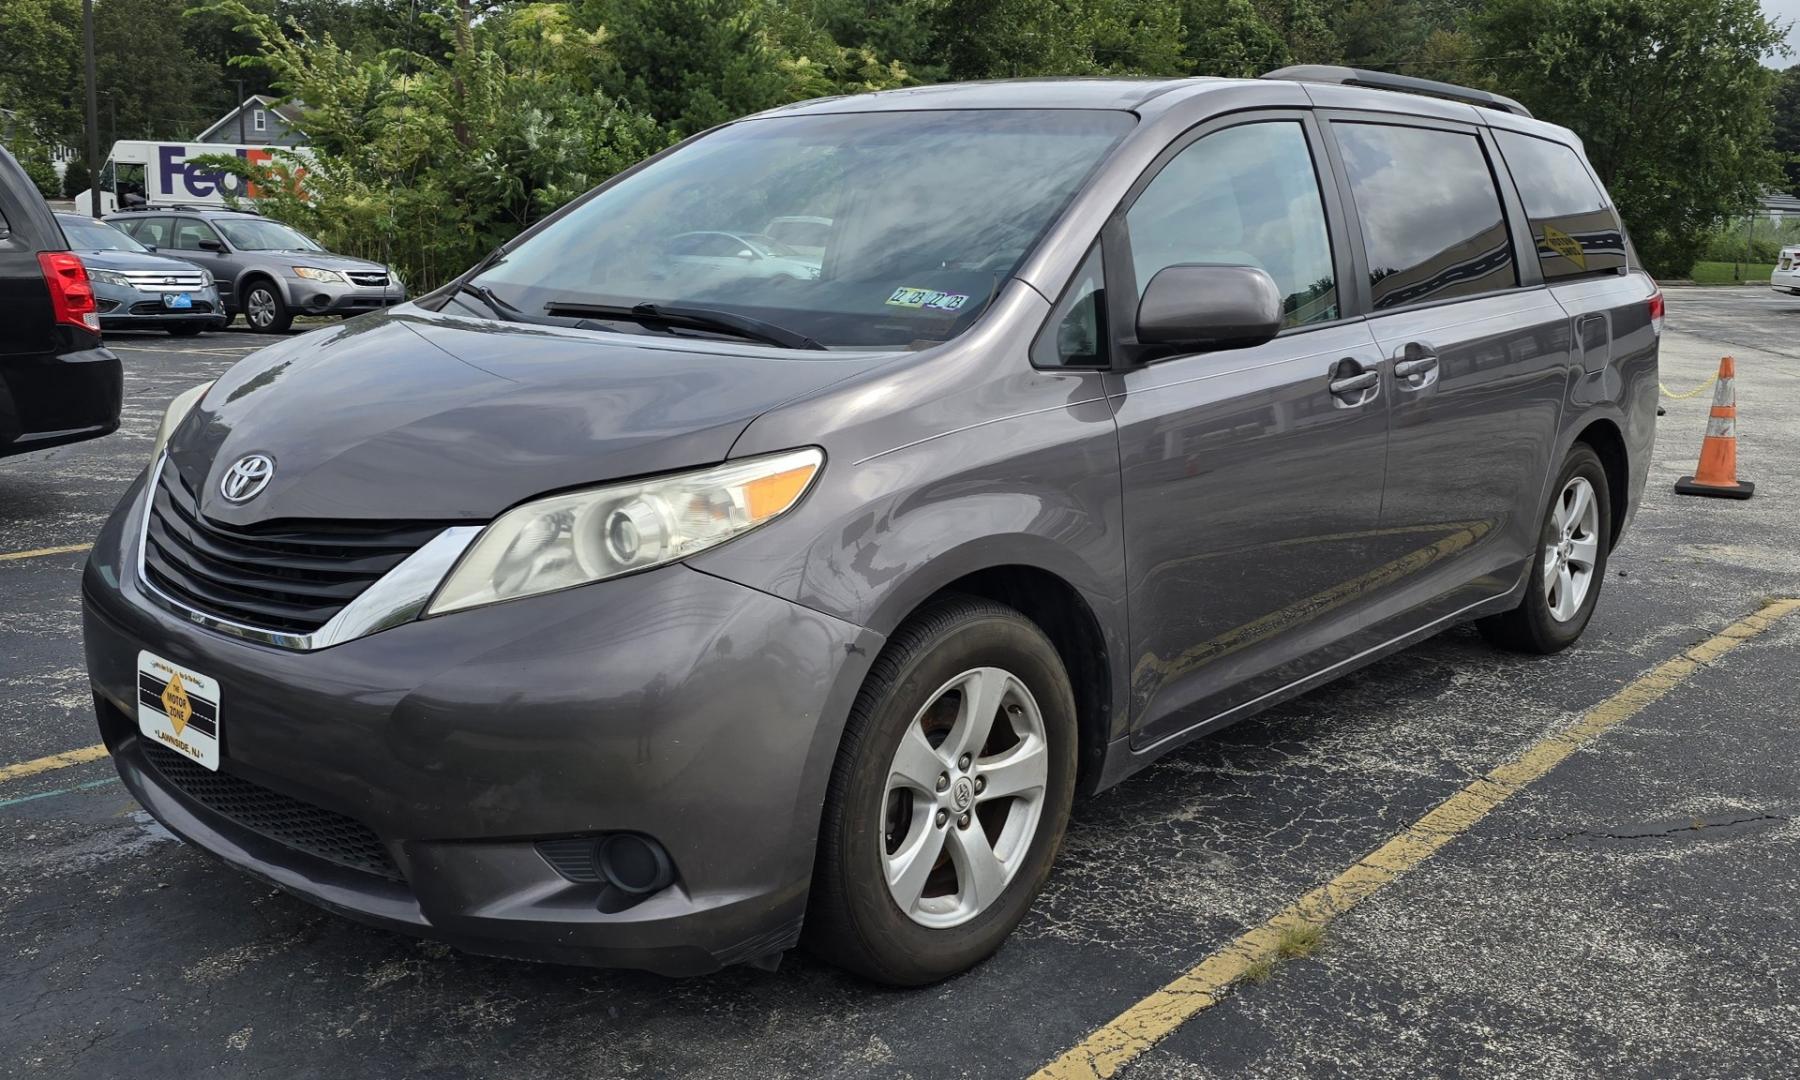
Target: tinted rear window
x,y
1431,218
1575,230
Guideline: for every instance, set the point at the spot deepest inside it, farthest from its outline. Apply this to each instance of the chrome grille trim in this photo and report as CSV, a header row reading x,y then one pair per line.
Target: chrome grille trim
x,y
399,596
164,280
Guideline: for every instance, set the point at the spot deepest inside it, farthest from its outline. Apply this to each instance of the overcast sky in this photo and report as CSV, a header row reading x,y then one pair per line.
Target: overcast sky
x,y
1785,11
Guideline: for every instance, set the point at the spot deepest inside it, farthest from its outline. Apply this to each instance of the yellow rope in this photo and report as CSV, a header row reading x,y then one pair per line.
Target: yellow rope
x,y
1695,392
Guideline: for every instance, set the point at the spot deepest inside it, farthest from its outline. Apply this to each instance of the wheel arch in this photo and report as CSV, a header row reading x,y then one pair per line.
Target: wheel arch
x,y
1068,618
1608,442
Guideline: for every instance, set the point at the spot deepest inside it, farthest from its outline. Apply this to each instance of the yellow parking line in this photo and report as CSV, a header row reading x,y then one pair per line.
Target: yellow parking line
x,y
1107,1050
35,552
54,761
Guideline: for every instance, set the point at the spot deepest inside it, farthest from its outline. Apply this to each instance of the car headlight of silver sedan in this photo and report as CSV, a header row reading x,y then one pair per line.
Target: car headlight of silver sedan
x,y
108,277
206,278
314,273
585,536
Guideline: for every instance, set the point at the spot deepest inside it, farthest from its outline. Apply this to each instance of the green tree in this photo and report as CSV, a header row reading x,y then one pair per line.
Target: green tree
x,y
1787,126
691,63
1670,97
990,39
40,58
429,163
1231,38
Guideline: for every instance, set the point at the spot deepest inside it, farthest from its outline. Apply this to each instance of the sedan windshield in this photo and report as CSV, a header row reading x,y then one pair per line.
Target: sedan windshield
x,y
253,235
882,230
84,235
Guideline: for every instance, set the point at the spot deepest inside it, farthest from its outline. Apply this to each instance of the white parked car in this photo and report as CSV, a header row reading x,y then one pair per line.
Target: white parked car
x,y
1786,277
743,255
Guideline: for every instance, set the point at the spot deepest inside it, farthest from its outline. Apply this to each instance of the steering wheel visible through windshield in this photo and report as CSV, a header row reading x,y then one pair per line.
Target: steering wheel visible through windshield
x,y
913,220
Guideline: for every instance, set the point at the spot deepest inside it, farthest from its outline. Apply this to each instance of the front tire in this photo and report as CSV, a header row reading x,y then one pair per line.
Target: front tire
x,y
949,797
1569,566
265,310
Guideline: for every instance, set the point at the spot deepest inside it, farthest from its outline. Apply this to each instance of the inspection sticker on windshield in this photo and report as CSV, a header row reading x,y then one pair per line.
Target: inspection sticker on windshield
x,y
179,708
908,297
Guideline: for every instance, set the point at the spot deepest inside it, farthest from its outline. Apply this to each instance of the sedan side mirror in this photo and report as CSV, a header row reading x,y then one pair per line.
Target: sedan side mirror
x,y
212,245
1193,306
150,248
747,255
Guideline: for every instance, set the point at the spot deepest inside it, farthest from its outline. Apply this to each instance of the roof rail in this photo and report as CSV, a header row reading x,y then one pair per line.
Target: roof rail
x,y
200,208
1406,84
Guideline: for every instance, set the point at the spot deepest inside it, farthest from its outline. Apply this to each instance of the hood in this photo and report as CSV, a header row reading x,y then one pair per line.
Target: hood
x,y
414,415
324,260
135,260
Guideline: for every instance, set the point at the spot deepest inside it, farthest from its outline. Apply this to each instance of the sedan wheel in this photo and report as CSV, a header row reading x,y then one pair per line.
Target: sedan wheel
x,y
949,796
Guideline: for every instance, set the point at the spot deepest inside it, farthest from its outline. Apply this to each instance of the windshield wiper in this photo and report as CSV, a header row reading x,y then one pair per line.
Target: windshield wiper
x,y
499,307
692,318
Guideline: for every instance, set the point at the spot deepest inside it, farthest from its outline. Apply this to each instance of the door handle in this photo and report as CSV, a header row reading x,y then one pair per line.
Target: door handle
x,y
1408,369
1354,383
1415,367
1351,384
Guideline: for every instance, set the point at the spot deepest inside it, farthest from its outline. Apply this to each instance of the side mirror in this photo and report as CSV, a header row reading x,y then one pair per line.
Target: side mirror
x,y
212,245
747,255
150,248
1194,306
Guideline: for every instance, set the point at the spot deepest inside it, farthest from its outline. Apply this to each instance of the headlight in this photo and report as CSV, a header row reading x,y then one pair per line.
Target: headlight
x,y
583,536
108,277
206,278
178,409
313,273
394,276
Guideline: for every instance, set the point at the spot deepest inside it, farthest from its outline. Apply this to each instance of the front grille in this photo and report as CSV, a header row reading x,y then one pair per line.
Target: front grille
x,y
367,277
299,825
286,576
155,307
165,280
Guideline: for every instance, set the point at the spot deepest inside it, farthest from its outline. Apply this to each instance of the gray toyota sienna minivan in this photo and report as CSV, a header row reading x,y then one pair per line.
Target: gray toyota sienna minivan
x,y
622,605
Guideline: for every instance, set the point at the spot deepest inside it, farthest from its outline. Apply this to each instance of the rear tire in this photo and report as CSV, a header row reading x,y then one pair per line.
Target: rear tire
x,y
1014,794
1559,596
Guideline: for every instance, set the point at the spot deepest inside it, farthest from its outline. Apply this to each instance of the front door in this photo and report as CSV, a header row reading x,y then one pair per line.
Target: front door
x,y
1252,477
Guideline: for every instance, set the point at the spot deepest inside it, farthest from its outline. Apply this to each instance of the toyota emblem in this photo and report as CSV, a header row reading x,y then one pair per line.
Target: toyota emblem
x,y
247,477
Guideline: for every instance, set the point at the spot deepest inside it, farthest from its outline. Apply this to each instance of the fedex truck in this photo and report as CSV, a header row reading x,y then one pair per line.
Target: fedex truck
x,y
164,173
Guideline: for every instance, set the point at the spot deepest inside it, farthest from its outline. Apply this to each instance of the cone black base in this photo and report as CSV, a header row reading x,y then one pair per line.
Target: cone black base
x,y
1743,490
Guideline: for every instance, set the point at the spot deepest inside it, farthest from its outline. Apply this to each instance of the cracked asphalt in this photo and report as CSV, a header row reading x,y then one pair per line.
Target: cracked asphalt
x,y
1633,913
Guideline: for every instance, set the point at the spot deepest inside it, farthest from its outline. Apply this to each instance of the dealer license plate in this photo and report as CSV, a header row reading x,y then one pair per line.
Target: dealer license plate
x,y
179,708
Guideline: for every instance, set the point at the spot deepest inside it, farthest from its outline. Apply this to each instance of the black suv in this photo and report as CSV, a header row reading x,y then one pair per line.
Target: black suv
x,y
57,385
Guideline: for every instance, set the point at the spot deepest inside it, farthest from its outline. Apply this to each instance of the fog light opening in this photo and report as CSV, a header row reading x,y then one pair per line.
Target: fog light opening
x,y
633,864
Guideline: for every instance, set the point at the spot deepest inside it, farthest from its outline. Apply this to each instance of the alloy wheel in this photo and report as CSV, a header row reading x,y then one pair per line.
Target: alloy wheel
x,y
965,795
260,308
1572,548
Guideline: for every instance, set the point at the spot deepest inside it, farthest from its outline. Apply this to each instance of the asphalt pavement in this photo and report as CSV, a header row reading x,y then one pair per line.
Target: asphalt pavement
x,y
1630,911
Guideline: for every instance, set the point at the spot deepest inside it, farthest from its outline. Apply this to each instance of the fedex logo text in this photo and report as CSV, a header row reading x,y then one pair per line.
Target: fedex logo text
x,y
177,175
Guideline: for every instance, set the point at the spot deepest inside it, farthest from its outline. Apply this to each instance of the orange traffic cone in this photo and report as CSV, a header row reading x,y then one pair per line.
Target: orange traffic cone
x,y
1716,475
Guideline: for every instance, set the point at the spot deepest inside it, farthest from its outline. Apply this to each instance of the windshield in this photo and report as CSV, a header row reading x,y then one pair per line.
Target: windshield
x,y
85,235
254,235
855,230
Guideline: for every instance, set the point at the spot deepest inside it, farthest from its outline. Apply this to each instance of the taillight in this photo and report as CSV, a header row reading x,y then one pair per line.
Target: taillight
x,y
71,294
1656,313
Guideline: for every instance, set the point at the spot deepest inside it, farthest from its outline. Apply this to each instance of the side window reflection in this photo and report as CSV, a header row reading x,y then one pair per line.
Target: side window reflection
x,y
1244,196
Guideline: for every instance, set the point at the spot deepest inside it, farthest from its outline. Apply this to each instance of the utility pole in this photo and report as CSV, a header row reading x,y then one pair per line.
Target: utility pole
x,y
240,111
93,109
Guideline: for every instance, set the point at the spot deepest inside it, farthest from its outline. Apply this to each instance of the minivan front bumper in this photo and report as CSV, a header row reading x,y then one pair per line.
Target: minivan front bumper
x,y
671,704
